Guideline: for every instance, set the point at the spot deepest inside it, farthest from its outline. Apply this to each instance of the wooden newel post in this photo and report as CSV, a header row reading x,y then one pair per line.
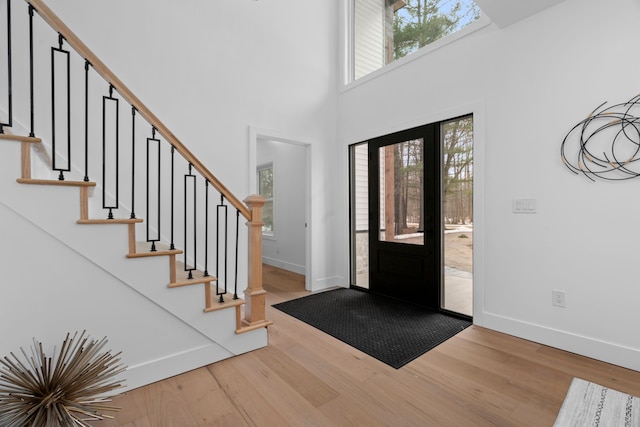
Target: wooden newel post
x,y
254,294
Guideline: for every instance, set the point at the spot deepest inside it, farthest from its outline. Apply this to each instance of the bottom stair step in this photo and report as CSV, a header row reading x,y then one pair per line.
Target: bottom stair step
x,y
246,327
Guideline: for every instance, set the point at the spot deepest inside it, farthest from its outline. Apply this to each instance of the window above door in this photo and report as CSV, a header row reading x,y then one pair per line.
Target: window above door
x,y
382,32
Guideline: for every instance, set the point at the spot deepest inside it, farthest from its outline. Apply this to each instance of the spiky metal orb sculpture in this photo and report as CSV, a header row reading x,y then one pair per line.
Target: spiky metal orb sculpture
x,y
65,390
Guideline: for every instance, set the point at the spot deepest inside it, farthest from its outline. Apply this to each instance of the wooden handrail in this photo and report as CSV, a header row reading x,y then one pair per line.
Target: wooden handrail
x,y
102,70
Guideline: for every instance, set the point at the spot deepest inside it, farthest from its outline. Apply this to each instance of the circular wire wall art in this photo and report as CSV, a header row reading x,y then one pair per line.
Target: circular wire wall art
x,y
605,145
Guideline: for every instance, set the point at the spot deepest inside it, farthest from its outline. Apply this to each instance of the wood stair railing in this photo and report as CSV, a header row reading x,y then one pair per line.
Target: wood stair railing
x,y
251,209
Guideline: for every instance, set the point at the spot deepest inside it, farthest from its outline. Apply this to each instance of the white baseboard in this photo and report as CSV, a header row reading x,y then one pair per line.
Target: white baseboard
x,y
300,269
325,283
175,364
159,369
586,346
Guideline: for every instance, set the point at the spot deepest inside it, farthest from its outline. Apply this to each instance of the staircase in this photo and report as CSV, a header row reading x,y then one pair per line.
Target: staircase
x,y
184,254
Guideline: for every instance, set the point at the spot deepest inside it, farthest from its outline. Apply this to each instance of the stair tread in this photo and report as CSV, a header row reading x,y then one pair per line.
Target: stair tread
x,y
182,277
228,302
56,182
246,327
19,138
143,249
110,221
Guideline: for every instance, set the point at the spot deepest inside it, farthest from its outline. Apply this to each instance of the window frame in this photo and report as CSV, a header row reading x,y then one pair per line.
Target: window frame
x,y
259,168
349,48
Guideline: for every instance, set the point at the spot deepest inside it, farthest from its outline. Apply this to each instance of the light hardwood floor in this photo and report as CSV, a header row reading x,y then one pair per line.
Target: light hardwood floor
x,y
307,378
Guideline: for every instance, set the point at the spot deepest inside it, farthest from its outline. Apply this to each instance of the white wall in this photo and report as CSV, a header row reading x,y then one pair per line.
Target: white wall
x,y
527,85
286,248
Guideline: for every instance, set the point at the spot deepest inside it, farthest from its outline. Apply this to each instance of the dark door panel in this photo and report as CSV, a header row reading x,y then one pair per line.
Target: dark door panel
x,y
404,207
394,264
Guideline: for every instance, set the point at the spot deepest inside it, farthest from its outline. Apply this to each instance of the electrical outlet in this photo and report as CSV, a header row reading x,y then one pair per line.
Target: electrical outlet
x,y
558,298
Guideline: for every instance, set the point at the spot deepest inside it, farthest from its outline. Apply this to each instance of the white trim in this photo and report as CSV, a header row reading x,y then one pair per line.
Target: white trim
x,y
347,38
328,283
479,196
300,269
256,134
161,368
605,351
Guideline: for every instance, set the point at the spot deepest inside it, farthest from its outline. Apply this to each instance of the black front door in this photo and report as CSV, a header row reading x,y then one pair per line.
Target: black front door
x,y
404,215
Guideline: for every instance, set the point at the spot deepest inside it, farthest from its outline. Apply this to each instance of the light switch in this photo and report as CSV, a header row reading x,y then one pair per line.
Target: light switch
x,y
524,206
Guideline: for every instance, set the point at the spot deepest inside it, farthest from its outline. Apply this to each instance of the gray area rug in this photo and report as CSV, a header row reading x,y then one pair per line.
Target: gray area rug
x,y
387,329
590,404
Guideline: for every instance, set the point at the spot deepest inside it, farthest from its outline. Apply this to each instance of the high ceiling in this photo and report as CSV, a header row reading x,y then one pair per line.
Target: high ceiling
x,y
506,12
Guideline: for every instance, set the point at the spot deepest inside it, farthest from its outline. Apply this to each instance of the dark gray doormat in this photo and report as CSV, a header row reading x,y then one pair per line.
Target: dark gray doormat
x,y
386,329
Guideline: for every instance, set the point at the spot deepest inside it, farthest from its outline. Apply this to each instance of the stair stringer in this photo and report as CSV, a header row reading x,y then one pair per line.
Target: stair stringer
x,y
55,210
44,298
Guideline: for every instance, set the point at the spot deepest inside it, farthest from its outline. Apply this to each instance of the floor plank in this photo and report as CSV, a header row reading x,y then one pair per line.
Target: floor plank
x,y
307,378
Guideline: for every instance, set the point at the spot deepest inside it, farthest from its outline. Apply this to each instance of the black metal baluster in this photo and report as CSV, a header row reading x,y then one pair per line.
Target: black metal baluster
x,y
133,162
86,120
172,246
9,121
235,284
66,57
221,208
151,140
189,177
116,141
31,104
206,227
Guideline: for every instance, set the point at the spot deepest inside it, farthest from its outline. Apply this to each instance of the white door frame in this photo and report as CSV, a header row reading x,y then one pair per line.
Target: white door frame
x,y
255,136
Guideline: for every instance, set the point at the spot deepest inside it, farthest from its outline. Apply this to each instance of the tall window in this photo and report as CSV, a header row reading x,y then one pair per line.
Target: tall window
x,y
386,30
265,189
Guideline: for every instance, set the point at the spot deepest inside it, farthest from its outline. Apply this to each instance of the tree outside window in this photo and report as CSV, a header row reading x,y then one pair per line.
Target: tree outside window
x,y
387,30
457,170
421,22
265,189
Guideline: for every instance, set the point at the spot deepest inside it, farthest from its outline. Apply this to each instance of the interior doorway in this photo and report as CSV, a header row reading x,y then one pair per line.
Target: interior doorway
x,y
411,209
280,168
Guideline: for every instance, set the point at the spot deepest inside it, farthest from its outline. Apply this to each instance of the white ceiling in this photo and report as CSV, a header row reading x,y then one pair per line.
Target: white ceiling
x,y
507,12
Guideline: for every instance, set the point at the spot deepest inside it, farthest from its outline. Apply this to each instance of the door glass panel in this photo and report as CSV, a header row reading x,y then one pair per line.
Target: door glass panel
x,y
401,192
360,215
457,214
